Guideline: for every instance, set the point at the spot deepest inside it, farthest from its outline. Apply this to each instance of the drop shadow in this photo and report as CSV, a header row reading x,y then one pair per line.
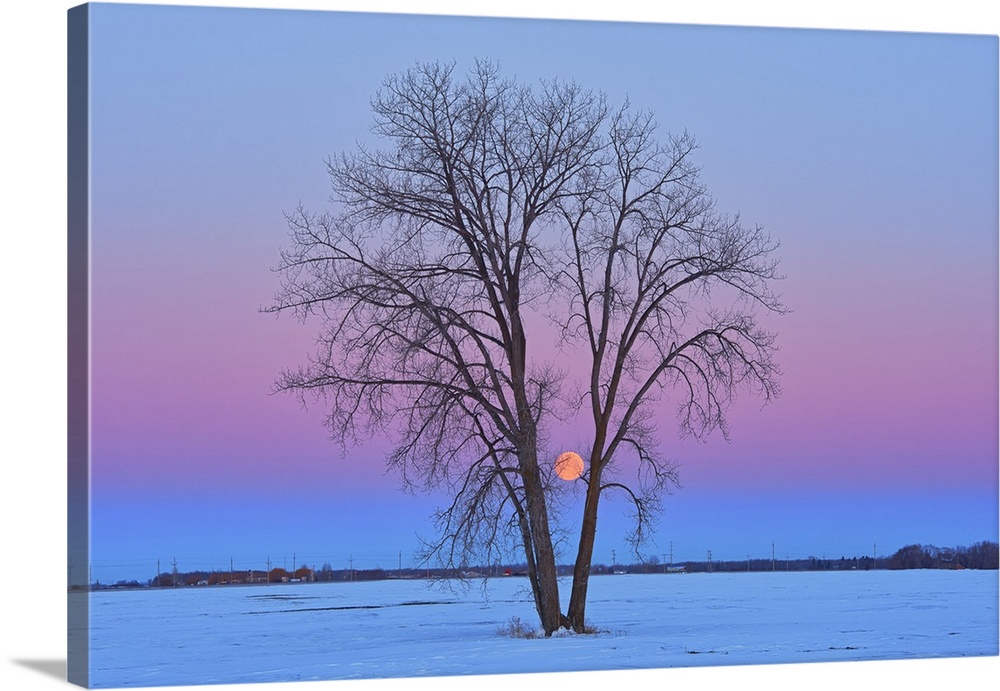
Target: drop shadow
x,y
50,668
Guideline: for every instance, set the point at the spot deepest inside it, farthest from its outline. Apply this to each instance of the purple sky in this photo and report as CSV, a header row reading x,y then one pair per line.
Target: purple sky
x,y
870,156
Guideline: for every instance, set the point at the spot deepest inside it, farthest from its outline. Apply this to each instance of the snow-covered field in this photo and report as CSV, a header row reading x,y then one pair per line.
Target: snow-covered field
x,y
392,629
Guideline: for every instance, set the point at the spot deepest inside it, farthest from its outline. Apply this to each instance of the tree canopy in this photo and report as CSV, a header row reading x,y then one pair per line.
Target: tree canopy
x,y
491,206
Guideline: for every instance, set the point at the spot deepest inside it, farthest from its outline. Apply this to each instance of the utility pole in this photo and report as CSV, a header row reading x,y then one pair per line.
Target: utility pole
x,y
710,561
350,560
174,572
399,573
664,562
268,563
231,575
772,556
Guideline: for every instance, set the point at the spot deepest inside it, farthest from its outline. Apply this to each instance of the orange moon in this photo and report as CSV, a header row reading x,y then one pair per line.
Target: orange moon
x,y
569,465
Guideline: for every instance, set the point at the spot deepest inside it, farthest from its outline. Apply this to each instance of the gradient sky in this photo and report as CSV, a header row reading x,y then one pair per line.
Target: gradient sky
x,y
871,156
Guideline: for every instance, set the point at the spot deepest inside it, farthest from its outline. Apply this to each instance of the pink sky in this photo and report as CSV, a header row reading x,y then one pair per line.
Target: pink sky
x,y
832,141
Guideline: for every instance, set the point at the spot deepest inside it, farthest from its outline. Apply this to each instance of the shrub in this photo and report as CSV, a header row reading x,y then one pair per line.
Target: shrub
x,y
516,628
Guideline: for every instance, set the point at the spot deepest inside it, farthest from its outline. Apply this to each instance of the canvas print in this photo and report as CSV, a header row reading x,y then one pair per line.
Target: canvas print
x,y
411,346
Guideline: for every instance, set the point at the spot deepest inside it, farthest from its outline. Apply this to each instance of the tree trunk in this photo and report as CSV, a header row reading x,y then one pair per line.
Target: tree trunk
x,y
546,586
584,554
529,552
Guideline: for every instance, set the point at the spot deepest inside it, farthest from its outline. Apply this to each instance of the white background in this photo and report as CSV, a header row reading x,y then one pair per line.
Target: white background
x,y
33,336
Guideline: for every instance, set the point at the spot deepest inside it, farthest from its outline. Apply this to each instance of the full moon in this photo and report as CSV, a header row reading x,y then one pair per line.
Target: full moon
x,y
569,465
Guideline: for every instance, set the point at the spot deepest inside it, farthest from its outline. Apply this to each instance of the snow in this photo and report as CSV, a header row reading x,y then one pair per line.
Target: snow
x,y
410,628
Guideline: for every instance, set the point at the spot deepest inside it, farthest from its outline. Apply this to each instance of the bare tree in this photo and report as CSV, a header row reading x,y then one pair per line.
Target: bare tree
x,y
440,250
422,280
648,259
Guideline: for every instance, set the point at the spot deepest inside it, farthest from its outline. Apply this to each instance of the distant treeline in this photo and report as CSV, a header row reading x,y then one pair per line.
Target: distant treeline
x,y
981,555
303,574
